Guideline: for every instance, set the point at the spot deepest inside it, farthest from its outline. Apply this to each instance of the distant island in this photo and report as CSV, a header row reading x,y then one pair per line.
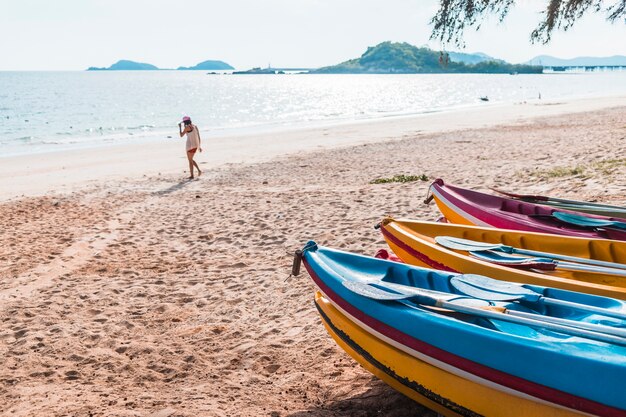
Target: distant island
x,y
404,58
208,65
127,65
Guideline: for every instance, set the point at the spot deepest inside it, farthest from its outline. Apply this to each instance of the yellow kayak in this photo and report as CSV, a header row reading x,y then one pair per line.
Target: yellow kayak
x,y
414,242
443,390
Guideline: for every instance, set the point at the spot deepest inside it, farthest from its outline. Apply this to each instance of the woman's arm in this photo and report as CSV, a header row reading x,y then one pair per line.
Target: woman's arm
x,y
180,132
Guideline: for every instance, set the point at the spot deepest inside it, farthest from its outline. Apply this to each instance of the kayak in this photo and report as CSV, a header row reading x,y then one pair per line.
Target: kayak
x,y
463,206
462,358
413,241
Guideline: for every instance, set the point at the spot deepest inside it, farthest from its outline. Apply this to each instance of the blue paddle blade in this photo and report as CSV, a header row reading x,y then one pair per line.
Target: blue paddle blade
x,y
585,221
491,289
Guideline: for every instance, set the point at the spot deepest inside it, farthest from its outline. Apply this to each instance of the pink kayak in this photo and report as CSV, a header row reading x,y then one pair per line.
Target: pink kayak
x,y
463,206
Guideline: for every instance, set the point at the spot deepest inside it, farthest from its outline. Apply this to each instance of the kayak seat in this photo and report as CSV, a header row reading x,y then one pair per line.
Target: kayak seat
x,y
520,207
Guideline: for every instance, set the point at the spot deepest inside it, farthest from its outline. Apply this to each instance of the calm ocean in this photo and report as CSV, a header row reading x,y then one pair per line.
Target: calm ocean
x,y
47,111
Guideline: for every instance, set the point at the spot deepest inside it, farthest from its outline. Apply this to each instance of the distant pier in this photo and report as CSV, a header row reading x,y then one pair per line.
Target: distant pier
x,y
583,68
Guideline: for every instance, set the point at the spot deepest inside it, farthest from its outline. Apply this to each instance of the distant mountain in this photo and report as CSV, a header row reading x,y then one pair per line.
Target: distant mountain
x,y
474,58
403,58
125,65
550,61
209,65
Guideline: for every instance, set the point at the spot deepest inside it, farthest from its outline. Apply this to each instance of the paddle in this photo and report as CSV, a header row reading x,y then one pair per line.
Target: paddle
x,y
404,292
498,313
457,243
585,221
566,203
524,196
545,264
491,289
488,304
498,258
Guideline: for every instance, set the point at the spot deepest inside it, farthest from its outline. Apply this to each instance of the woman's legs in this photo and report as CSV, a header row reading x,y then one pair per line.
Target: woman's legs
x,y
197,167
191,164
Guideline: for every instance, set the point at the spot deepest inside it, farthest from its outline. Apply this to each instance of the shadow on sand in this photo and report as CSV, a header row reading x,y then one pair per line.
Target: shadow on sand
x,y
178,186
380,400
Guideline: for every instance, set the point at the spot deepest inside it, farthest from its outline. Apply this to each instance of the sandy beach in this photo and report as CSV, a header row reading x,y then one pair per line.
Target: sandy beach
x,y
68,171
127,291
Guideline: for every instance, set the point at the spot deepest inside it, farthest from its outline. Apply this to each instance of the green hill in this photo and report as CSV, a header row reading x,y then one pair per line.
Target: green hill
x,y
209,65
403,58
125,65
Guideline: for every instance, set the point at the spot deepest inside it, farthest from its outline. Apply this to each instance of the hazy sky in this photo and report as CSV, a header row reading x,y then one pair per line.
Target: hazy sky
x,y
76,34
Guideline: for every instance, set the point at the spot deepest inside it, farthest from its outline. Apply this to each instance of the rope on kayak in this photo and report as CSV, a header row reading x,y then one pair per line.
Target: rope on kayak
x,y
429,196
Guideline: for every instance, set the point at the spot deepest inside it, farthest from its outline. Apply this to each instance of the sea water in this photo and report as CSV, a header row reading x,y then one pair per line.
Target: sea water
x,y
48,111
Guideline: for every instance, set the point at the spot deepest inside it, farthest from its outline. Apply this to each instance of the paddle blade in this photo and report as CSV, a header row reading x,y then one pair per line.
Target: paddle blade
x,y
585,221
544,264
457,243
368,291
421,296
491,289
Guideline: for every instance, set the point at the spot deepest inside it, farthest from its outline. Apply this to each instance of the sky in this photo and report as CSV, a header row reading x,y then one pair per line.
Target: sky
x,y
76,34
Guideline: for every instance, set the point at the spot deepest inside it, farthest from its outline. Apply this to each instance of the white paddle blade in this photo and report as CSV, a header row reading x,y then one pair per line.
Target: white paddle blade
x,y
491,289
457,243
368,291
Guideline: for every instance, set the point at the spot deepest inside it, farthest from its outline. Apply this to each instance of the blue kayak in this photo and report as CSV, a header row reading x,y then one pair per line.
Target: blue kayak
x,y
530,356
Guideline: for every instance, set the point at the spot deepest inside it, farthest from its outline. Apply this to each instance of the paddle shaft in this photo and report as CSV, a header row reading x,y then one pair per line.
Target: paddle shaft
x,y
573,266
603,337
612,265
562,265
430,297
572,204
571,323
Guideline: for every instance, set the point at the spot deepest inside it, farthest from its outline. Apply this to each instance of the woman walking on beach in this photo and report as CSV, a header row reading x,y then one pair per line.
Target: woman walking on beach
x,y
193,143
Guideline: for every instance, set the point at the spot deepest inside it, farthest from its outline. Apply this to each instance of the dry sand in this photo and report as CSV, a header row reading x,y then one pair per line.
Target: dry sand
x,y
161,297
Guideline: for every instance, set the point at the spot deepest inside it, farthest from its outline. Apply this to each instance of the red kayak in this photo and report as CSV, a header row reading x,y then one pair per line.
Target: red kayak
x,y
463,206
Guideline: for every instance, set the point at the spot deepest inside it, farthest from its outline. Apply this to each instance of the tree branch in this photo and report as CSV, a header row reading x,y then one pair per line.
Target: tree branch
x,y
454,16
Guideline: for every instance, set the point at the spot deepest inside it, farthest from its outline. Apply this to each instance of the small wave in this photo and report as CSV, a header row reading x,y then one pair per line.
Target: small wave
x,y
58,142
25,138
141,127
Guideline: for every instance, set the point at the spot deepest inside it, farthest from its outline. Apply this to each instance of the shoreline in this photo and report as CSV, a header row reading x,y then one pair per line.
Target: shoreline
x,y
63,172
126,138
